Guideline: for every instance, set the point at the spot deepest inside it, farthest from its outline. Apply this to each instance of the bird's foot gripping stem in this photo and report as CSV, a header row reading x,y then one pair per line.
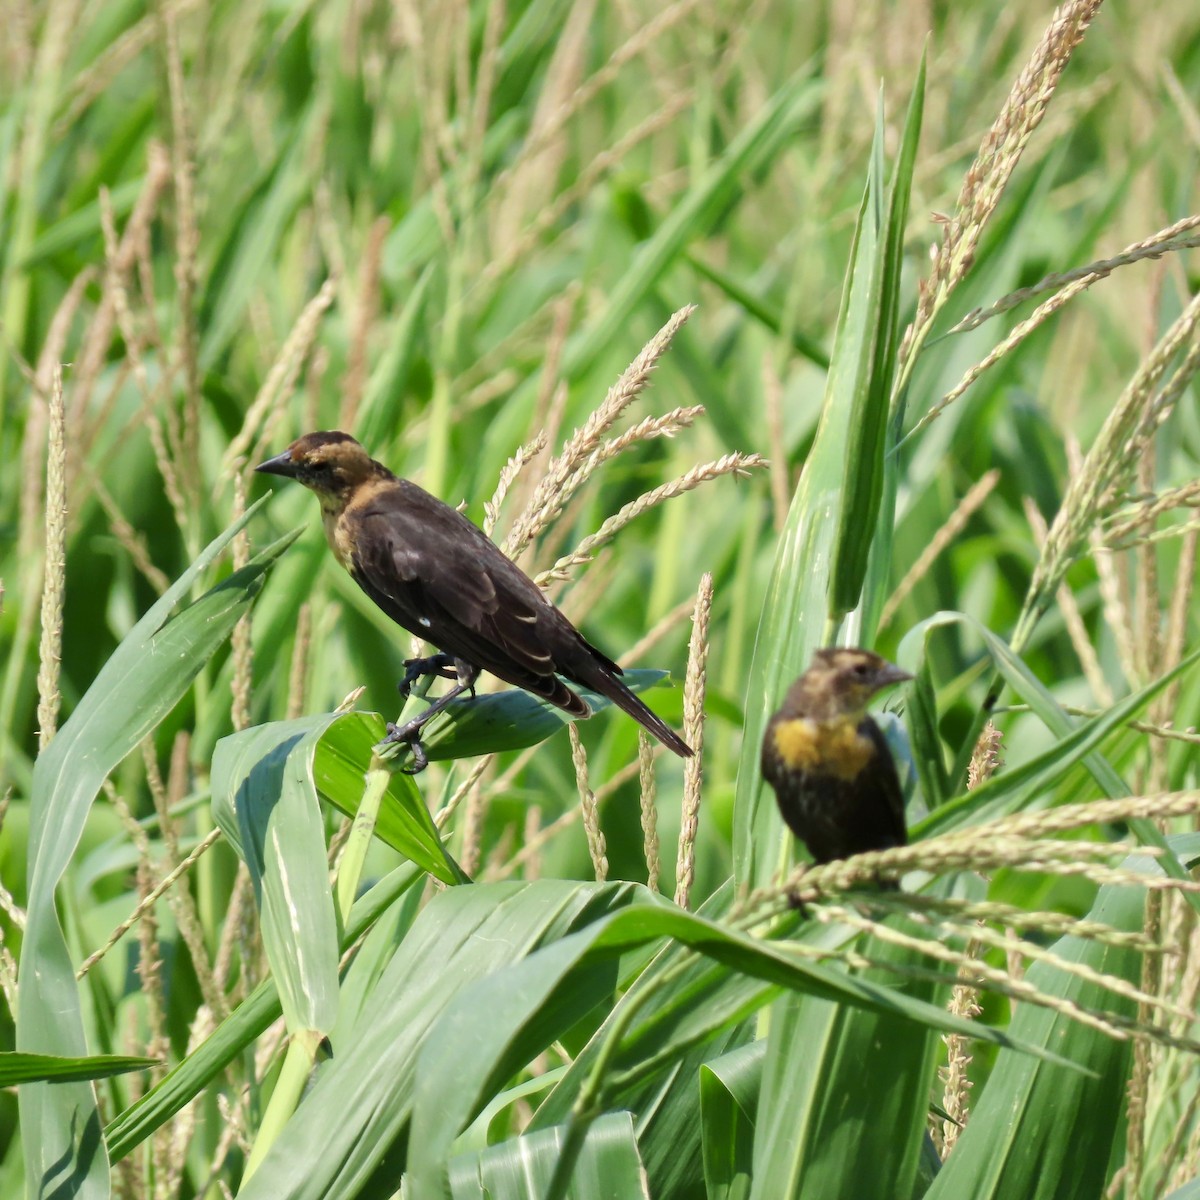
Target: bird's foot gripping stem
x,y
410,731
440,666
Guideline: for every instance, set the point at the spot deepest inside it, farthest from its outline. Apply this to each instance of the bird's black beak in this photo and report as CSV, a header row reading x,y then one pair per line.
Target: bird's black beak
x,y
281,464
889,675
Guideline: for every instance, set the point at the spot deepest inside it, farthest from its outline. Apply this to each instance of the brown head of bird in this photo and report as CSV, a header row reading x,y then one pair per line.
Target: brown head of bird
x,y
840,683
330,463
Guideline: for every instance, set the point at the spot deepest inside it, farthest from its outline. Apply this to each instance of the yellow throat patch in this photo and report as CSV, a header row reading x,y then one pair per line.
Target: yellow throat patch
x,y
830,747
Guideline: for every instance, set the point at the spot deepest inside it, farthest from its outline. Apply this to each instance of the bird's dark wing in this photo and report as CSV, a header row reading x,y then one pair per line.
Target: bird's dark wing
x,y
438,575
887,798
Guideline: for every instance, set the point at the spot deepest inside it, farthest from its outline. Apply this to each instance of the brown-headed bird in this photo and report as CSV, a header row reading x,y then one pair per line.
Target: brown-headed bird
x,y
440,577
830,766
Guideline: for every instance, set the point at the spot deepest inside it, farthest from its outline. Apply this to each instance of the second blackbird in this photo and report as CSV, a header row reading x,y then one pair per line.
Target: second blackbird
x,y
829,764
442,578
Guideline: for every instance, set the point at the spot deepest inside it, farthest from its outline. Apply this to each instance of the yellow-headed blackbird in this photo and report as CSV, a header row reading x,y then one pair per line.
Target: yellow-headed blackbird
x,y
830,766
440,577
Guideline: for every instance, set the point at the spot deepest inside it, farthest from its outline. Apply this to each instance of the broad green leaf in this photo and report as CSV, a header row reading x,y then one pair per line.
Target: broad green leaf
x,y
729,1090
534,1000
265,800
678,1005
608,1167
480,1134
510,720
343,755
147,674
1039,1131
669,1118
17,1068
464,935
864,361
239,1030
869,571
844,1093
921,717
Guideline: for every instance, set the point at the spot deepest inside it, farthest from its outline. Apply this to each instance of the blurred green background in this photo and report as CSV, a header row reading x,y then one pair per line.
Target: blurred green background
x,y
503,203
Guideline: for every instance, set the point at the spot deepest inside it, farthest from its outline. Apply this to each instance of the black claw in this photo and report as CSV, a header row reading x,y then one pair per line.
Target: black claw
x,y
410,735
420,760
440,666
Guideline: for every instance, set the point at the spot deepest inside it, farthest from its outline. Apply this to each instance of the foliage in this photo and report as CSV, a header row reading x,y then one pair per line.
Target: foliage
x,y
260,959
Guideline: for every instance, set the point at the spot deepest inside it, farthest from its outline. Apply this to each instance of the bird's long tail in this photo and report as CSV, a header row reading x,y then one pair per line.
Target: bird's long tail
x,y
613,689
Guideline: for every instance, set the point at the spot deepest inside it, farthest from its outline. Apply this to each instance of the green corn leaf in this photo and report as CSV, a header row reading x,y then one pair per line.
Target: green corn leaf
x,y
729,1090
534,1000
511,720
239,1030
1039,1131
609,1166
146,675
17,1068
265,800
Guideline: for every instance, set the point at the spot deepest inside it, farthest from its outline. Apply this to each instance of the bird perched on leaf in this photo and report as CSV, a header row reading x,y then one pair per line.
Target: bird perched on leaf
x,y
829,764
440,577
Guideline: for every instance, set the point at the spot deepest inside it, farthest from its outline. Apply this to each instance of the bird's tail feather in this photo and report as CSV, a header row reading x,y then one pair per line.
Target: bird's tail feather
x,y
627,701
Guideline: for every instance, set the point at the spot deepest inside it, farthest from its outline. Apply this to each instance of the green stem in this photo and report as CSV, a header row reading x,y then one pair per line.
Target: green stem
x,y
359,842
297,1064
363,830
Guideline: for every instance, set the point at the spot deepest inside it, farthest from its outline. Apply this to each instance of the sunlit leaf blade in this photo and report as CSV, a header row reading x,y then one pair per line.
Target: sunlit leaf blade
x,y
342,757
17,1068
532,1001
608,1167
1037,1130
249,1021
825,1061
864,362
729,1089
668,1109
876,580
822,556
240,1029
921,718
136,688
510,720
265,800
687,1012
464,935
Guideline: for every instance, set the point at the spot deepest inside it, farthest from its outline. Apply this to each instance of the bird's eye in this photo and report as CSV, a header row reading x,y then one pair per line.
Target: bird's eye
x,y
862,670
